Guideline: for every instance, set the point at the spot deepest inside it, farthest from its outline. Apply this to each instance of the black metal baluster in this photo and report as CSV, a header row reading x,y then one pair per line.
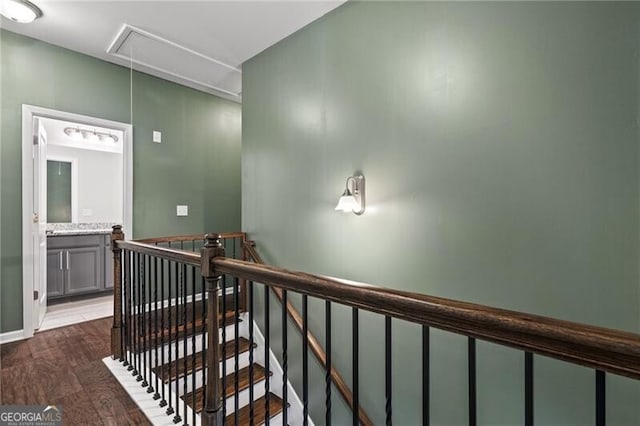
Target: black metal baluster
x,y
170,409
355,372
327,377
236,348
185,357
177,269
267,366
156,396
134,313
305,360
193,343
127,308
601,398
139,321
251,391
472,381
426,376
285,361
145,331
528,389
388,368
163,401
204,339
222,322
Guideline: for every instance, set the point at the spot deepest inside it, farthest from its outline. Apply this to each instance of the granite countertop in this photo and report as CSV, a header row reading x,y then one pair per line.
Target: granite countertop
x,y
57,229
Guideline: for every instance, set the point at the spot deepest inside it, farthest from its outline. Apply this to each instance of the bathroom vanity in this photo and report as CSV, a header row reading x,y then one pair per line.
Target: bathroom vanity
x,y
79,261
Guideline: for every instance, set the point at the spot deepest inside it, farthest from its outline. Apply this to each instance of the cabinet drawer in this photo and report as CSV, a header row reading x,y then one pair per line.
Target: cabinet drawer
x,y
71,241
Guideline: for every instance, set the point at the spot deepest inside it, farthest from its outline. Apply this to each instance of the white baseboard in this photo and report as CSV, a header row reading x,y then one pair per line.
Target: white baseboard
x,y
11,336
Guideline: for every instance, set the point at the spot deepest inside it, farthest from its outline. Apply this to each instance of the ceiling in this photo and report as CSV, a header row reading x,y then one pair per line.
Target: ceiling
x,y
200,44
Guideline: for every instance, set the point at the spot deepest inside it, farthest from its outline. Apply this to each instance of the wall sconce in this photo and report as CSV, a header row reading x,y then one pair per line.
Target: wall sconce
x,y
352,199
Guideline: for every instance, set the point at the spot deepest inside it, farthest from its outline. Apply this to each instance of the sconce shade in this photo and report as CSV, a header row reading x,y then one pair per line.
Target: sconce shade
x,y
352,199
347,203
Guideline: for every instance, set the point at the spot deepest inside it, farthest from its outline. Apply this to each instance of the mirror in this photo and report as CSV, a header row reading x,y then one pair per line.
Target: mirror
x,y
84,173
59,191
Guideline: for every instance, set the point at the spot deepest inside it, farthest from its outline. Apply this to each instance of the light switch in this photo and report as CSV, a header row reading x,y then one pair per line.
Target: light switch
x,y
157,136
87,212
182,210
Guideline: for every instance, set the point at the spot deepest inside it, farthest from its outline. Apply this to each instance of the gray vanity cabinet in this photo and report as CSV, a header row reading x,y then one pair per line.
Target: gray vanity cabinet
x,y
55,273
84,270
75,265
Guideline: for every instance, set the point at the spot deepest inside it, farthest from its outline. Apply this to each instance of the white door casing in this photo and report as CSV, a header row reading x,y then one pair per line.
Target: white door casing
x,y
39,226
30,246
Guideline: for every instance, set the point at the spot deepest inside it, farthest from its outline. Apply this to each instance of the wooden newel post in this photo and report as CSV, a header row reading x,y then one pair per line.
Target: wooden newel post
x,y
212,412
117,351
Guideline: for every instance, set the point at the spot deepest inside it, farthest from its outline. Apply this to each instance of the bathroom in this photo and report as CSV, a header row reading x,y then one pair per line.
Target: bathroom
x,y
84,199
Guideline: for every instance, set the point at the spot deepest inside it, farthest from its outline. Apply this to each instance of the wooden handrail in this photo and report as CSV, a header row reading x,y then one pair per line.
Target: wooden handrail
x,y
190,237
314,344
172,254
595,347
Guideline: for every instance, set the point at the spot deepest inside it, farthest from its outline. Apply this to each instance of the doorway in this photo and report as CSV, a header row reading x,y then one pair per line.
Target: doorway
x,y
60,158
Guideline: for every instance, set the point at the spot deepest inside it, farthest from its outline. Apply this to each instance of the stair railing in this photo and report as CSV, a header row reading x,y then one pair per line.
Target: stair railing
x,y
165,292
601,349
312,341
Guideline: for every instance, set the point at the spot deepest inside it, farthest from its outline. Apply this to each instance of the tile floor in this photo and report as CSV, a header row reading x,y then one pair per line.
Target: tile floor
x,y
75,312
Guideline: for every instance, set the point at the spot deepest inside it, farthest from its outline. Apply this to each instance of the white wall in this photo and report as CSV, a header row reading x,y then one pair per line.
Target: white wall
x,y
99,182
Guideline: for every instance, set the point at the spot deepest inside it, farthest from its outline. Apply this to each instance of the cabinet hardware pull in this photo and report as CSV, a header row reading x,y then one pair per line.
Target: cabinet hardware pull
x,y
67,260
60,260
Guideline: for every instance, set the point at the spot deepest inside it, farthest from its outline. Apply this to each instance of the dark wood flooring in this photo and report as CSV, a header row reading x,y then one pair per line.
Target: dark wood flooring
x,y
64,367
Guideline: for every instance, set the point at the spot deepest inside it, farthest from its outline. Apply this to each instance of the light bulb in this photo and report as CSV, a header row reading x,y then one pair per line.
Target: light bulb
x,y
20,10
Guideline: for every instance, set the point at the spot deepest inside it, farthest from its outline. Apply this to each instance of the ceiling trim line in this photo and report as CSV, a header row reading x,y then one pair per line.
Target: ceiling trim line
x,y
176,75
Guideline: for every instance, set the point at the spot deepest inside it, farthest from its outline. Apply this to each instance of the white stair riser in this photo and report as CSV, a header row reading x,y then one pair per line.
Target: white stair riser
x,y
177,386
171,347
243,397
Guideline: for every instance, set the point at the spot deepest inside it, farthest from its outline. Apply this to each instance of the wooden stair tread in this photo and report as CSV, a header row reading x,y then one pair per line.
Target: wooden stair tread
x,y
167,372
259,374
259,411
183,331
197,306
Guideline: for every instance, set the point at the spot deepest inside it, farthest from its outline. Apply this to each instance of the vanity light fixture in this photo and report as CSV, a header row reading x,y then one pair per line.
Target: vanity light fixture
x,y
352,199
22,11
76,133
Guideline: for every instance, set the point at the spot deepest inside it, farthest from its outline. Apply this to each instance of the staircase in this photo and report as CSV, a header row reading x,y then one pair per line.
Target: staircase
x,y
162,340
173,358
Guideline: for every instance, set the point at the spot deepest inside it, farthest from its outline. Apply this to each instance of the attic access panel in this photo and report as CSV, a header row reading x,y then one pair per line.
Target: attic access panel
x,y
167,57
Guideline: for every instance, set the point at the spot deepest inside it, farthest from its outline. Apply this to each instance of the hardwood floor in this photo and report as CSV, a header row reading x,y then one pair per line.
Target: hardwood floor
x,y
64,367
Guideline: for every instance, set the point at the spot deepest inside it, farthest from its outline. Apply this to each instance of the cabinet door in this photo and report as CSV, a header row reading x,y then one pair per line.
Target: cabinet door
x,y
84,269
108,267
55,273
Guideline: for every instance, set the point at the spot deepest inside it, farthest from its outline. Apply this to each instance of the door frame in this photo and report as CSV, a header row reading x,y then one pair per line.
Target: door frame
x,y
29,112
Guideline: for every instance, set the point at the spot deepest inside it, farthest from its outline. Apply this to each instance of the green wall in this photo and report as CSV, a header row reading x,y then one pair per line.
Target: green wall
x,y
198,162
500,146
